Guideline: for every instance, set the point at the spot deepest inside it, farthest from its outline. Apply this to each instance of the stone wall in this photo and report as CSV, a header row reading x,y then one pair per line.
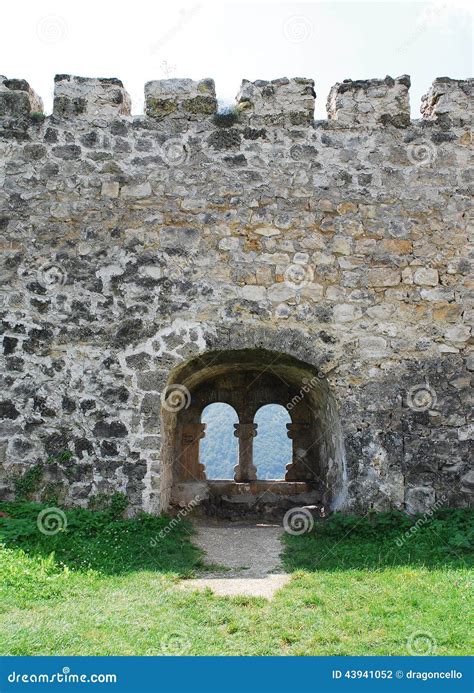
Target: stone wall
x,y
133,244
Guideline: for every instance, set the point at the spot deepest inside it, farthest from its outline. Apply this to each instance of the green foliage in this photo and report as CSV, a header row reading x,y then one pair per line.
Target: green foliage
x,y
37,116
112,587
51,493
100,540
61,457
118,505
227,117
385,539
28,482
114,506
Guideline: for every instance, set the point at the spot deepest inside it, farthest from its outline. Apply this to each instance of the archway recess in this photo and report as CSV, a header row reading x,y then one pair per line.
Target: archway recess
x,y
273,449
248,379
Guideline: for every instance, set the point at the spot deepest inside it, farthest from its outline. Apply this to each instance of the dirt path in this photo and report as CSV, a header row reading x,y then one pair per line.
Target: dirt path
x,y
250,553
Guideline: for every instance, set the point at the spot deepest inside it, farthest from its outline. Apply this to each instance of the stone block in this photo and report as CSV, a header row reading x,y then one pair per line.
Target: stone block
x,y
180,98
89,97
449,102
419,499
370,102
17,98
284,102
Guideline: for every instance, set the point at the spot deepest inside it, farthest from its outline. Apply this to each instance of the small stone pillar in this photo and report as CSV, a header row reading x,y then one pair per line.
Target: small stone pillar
x,y
245,471
190,467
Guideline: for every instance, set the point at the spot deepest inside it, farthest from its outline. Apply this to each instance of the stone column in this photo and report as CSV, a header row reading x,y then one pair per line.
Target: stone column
x,y
190,467
245,432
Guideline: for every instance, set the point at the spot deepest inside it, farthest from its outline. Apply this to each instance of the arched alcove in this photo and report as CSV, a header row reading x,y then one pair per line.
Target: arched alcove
x,y
248,379
218,449
273,449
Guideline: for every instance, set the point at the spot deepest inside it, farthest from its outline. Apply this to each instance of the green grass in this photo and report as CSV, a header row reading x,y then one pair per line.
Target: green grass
x,y
107,586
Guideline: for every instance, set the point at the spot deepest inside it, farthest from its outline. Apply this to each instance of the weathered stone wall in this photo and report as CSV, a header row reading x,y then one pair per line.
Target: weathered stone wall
x,y
132,244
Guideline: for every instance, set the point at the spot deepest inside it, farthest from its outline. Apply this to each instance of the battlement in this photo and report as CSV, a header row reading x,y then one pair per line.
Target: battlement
x,y
84,96
17,98
448,101
279,103
154,263
370,102
180,98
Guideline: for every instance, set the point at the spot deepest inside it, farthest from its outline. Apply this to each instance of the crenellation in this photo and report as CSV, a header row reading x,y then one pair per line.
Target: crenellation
x,y
449,102
89,97
370,102
17,98
283,102
180,98
134,244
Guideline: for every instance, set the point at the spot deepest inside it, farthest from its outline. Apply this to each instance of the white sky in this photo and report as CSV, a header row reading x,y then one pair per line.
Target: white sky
x,y
140,40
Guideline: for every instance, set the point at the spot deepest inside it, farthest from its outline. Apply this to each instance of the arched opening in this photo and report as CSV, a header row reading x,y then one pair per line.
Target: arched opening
x,y
219,449
247,380
273,449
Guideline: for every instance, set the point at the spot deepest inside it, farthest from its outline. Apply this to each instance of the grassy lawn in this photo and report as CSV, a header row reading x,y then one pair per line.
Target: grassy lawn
x,y
107,586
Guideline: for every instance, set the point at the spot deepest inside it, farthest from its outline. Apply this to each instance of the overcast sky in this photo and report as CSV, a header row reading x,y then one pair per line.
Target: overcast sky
x,y
141,40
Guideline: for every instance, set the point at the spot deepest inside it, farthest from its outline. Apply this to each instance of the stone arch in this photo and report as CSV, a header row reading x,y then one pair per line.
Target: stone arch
x,y
224,439
275,439
223,374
